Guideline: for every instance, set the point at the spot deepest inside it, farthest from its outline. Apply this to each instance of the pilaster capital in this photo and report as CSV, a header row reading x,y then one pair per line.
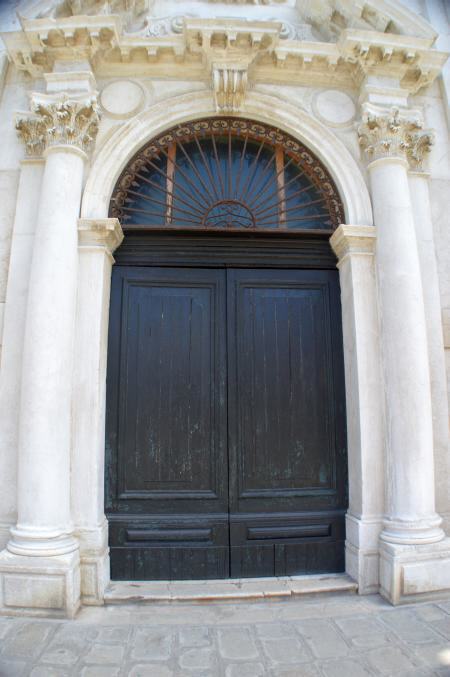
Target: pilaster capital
x,y
102,233
394,133
356,240
59,120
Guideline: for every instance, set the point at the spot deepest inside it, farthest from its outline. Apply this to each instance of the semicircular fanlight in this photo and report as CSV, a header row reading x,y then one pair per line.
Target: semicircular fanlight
x,y
226,174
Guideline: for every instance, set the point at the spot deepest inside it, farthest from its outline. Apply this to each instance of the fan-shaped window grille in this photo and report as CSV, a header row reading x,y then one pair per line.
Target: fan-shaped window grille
x,y
226,174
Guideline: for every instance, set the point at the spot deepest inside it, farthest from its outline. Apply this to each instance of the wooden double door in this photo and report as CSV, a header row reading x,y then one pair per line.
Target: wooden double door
x,y
226,453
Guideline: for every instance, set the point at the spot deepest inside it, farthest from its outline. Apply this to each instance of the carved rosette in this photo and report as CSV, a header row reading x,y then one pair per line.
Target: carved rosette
x,y
391,134
68,121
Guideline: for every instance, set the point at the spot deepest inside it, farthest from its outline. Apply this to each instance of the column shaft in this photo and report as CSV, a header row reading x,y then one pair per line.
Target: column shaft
x,y
410,511
44,521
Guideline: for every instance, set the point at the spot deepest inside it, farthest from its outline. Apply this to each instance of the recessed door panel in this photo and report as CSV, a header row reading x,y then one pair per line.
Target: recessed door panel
x,y
286,441
167,360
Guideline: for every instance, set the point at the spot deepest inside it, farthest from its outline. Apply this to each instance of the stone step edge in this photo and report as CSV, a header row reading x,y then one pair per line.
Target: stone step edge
x,y
125,592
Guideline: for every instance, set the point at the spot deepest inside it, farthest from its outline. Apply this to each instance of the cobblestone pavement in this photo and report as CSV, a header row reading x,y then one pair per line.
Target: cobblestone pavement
x,y
332,636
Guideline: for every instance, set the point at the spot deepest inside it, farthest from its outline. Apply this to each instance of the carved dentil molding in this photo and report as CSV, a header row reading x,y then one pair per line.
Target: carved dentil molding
x,y
70,121
394,133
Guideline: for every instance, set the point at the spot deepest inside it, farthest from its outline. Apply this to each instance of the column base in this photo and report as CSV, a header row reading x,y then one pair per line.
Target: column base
x,y
39,586
94,564
361,552
411,573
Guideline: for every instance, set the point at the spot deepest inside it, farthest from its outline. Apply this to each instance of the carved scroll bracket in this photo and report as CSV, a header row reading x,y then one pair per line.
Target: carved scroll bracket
x,y
229,49
59,120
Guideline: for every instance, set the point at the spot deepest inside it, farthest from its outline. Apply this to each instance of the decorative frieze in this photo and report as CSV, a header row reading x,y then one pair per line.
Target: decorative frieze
x,y
394,133
59,121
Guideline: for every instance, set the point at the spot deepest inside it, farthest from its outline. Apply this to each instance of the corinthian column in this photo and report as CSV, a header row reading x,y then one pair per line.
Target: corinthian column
x,y
40,569
412,533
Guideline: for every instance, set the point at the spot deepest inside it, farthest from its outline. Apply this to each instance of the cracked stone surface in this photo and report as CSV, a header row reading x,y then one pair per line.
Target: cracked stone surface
x,y
324,636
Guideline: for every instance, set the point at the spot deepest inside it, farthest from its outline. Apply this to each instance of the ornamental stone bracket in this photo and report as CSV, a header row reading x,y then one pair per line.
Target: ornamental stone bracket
x,y
394,133
228,49
59,120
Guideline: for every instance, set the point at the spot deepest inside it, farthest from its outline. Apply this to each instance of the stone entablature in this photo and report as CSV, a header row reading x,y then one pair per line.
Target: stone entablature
x,y
102,39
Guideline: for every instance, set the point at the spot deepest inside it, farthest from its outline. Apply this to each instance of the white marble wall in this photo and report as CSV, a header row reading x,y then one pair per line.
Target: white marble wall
x,y
338,112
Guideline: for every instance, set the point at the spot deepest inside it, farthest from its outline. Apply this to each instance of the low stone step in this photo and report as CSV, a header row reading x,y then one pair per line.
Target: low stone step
x,y
147,592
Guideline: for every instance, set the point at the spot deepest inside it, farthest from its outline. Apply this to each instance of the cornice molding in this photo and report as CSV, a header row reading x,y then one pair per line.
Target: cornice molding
x,y
59,120
106,234
353,240
206,46
394,133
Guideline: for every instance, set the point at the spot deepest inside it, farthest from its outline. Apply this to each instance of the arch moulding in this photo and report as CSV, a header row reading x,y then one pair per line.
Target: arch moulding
x,y
122,145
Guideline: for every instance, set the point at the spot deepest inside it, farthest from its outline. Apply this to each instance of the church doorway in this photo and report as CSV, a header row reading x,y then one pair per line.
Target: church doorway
x,y
226,449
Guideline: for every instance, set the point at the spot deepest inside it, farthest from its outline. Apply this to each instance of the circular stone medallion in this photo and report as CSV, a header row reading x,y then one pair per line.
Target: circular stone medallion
x,y
122,99
334,108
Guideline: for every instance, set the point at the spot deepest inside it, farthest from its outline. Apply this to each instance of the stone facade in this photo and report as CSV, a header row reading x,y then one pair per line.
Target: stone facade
x,y
85,84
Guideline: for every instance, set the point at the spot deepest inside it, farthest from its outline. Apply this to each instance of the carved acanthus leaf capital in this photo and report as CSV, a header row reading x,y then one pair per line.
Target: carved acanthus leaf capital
x,y
394,133
70,121
31,130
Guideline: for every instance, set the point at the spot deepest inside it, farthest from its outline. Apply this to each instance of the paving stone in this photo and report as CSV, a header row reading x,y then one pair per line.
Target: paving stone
x,y
153,644
434,655
148,670
363,632
289,650
245,670
430,613
389,660
237,644
305,670
197,658
275,630
113,634
406,624
323,638
49,671
442,627
12,668
5,626
64,650
194,637
104,653
344,668
28,640
98,671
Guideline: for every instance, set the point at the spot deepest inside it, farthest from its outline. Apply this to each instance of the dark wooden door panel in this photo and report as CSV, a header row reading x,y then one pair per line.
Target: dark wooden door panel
x,y
226,450
168,425
286,438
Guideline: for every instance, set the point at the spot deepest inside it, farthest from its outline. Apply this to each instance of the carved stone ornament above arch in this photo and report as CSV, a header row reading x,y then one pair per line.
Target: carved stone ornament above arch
x,y
132,136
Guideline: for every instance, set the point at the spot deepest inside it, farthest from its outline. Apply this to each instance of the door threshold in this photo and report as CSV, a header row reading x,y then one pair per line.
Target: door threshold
x,y
151,592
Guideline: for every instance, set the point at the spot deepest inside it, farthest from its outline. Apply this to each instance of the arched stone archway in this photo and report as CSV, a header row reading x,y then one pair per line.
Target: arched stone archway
x,y
123,144
360,323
